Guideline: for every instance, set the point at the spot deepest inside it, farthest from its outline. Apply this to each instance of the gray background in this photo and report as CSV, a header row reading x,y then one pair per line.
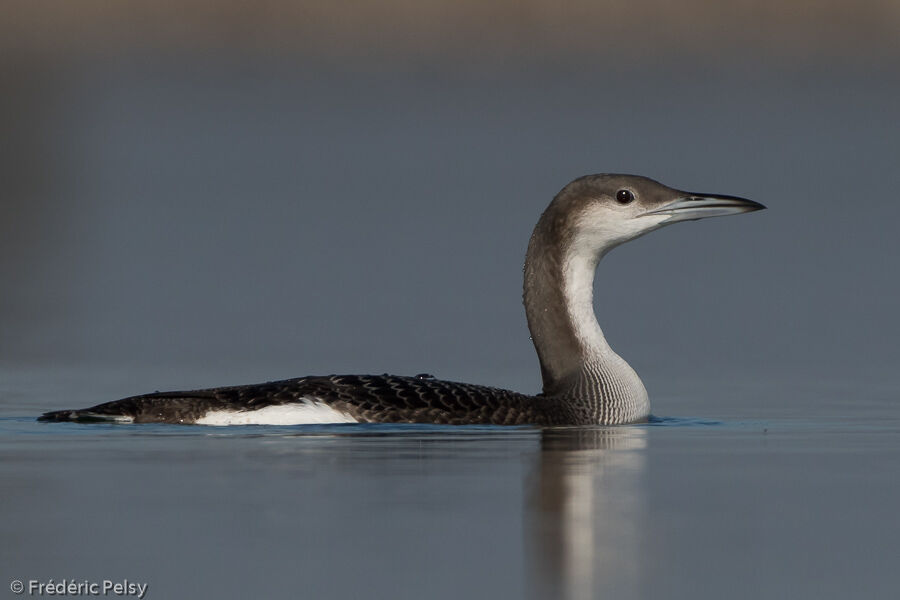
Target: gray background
x,y
254,193
271,221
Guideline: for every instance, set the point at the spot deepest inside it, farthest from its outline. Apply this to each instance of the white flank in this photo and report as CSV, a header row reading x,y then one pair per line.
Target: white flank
x,y
301,413
122,419
110,418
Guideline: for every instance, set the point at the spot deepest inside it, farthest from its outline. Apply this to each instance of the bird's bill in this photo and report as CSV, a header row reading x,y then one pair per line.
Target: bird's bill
x,y
699,206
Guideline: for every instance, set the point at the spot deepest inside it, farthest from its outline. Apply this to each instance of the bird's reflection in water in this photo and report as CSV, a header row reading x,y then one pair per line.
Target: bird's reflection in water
x,y
583,512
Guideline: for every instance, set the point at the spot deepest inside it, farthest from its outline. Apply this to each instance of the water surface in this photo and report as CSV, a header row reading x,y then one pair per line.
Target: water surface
x,y
801,504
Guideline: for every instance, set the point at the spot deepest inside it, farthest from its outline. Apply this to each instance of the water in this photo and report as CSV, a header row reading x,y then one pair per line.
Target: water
x,y
706,504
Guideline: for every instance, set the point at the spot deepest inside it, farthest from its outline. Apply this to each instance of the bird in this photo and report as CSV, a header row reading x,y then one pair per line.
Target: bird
x,y
584,381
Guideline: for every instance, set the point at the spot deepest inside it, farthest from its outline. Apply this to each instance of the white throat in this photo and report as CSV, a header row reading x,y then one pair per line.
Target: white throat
x,y
578,269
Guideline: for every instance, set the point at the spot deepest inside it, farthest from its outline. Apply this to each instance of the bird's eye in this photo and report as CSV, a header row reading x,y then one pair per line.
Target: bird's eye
x,y
624,196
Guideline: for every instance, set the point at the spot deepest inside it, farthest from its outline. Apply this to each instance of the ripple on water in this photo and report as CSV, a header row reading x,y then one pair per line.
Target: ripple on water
x,y
681,422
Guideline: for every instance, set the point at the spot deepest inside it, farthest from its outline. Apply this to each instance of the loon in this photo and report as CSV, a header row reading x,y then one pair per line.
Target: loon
x,y
584,381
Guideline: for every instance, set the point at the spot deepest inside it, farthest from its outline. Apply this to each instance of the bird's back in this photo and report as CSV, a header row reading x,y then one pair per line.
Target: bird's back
x,y
348,398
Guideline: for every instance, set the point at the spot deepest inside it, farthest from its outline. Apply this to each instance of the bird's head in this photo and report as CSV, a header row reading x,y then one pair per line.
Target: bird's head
x,y
599,212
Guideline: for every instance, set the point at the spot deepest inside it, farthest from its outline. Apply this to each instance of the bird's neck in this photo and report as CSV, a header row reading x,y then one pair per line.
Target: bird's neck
x,y
574,354
559,304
